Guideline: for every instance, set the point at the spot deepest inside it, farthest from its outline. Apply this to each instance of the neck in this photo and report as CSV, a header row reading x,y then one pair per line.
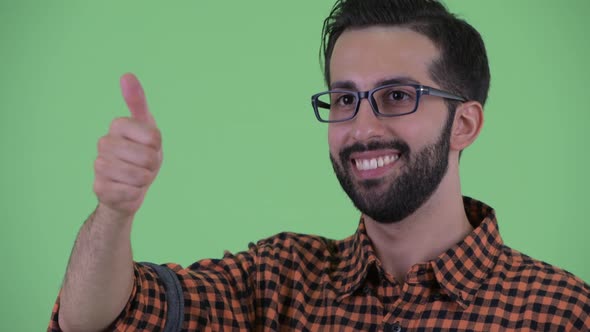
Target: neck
x,y
436,226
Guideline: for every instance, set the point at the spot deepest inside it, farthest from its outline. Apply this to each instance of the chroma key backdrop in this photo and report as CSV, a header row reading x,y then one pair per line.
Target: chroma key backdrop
x,y
229,84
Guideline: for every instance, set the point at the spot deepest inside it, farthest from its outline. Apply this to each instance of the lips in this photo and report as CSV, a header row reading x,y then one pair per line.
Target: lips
x,y
373,164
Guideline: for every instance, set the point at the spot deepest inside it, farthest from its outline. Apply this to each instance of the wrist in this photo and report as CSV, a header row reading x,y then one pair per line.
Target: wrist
x,y
107,216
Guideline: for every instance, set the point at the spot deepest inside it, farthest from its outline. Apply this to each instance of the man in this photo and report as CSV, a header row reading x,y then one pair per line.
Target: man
x,y
407,84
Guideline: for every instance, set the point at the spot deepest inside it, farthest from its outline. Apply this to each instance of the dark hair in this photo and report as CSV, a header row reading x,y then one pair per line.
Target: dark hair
x,y
463,64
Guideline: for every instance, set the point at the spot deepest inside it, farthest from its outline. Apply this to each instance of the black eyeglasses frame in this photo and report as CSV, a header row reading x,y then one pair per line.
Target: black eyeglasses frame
x,y
360,95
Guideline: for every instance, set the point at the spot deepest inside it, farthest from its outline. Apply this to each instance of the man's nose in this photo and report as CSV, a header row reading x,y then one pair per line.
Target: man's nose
x,y
366,124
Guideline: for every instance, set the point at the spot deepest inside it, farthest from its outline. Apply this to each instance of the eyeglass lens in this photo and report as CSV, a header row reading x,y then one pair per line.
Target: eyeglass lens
x,y
389,101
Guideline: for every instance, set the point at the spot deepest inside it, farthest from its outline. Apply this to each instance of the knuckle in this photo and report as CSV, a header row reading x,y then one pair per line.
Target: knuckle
x,y
150,161
98,188
117,124
144,176
102,144
153,164
99,164
155,137
144,157
157,134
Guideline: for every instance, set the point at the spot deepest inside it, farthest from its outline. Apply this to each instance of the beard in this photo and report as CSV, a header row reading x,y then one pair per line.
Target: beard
x,y
393,198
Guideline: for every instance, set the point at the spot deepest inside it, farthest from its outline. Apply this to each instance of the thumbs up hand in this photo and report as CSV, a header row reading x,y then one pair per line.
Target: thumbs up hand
x,y
135,99
129,156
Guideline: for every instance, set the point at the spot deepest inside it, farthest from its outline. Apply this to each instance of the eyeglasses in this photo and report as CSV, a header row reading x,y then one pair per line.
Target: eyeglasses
x,y
387,100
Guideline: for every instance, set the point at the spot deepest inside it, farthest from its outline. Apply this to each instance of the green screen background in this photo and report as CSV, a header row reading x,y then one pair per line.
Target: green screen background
x,y
244,158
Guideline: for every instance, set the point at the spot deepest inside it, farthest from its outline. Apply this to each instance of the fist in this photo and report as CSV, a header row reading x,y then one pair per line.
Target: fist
x,y
129,155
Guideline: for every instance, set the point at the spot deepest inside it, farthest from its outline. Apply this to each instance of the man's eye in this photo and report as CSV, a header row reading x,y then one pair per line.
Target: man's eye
x,y
346,100
398,95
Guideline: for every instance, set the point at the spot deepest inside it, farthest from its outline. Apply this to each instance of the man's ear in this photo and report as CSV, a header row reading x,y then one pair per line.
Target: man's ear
x,y
467,125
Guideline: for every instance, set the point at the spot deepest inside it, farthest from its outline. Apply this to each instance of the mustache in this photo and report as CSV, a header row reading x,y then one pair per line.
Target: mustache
x,y
398,145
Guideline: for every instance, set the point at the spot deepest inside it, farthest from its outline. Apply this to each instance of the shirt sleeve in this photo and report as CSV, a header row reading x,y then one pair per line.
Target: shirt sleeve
x,y
211,294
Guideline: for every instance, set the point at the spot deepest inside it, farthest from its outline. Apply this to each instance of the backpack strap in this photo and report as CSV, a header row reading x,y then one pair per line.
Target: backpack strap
x,y
174,296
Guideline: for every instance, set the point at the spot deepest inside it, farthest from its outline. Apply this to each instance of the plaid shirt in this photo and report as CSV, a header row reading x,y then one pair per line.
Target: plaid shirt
x,y
293,282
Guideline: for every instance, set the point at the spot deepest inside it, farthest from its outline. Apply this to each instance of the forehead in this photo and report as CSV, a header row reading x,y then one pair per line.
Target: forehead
x,y
366,56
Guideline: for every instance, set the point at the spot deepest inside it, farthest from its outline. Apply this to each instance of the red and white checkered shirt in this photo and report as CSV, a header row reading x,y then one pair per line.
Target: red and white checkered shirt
x,y
294,282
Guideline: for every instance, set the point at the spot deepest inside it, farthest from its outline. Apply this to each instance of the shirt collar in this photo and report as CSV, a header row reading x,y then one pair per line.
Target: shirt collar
x,y
352,259
460,270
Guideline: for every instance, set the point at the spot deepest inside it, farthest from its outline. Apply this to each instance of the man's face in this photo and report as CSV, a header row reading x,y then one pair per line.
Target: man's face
x,y
388,166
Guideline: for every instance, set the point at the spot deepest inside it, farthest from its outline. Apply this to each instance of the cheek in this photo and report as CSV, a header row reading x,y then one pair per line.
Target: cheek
x,y
420,130
336,138
413,135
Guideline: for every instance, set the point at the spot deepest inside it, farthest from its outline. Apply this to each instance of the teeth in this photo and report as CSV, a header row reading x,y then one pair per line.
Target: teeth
x,y
373,163
365,164
369,164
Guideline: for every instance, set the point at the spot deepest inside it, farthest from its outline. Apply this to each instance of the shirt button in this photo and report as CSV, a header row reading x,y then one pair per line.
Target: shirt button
x,y
367,290
395,327
436,297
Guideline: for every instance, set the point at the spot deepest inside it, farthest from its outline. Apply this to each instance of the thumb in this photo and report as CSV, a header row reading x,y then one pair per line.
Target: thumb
x,y
135,99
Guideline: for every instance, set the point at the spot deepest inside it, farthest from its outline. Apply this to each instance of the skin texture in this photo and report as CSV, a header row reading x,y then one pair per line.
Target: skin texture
x,y
99,276
365,57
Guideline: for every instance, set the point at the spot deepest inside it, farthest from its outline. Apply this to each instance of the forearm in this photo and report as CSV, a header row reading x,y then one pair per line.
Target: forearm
x,y
99,277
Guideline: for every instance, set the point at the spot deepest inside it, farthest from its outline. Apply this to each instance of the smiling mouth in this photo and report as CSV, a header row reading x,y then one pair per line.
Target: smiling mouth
x,y
375,163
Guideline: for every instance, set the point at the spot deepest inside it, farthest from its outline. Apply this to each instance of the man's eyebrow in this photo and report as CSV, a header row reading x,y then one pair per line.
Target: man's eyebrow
x,y
350,85
398,80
